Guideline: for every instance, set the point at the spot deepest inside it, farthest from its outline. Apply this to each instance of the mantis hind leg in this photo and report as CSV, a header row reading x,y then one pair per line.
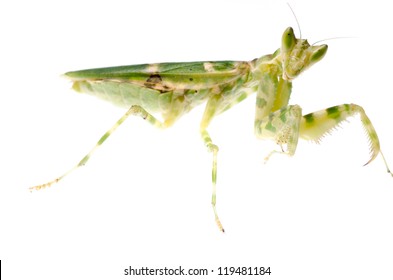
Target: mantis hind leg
x,y
133,111
316,125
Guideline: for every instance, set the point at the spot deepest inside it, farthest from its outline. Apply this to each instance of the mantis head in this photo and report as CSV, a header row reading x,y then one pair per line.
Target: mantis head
x,y
297,54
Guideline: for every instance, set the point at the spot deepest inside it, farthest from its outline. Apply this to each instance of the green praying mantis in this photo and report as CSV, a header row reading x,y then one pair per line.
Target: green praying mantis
x,y
170,90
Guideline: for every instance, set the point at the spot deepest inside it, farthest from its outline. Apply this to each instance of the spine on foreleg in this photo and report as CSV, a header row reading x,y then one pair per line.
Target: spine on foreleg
x,y
315,126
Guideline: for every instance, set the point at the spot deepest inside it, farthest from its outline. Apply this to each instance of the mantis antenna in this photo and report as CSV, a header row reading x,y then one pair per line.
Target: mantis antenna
x,y
297,22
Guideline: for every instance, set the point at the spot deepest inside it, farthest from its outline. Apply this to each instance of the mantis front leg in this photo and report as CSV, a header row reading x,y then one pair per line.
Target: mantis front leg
x,y
315,125
285,127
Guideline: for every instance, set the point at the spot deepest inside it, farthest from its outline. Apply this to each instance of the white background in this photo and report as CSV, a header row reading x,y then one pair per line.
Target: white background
x,y
144,198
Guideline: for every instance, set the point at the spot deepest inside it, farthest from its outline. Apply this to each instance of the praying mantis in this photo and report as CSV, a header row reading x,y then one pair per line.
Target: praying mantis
x,y
170,90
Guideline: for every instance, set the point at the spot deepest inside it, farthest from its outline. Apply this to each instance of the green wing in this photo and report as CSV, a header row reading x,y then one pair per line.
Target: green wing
x,y
168,76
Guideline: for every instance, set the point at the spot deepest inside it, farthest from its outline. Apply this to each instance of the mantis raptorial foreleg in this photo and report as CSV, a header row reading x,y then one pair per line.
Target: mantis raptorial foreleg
x,y
315,125
133,111
283,127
